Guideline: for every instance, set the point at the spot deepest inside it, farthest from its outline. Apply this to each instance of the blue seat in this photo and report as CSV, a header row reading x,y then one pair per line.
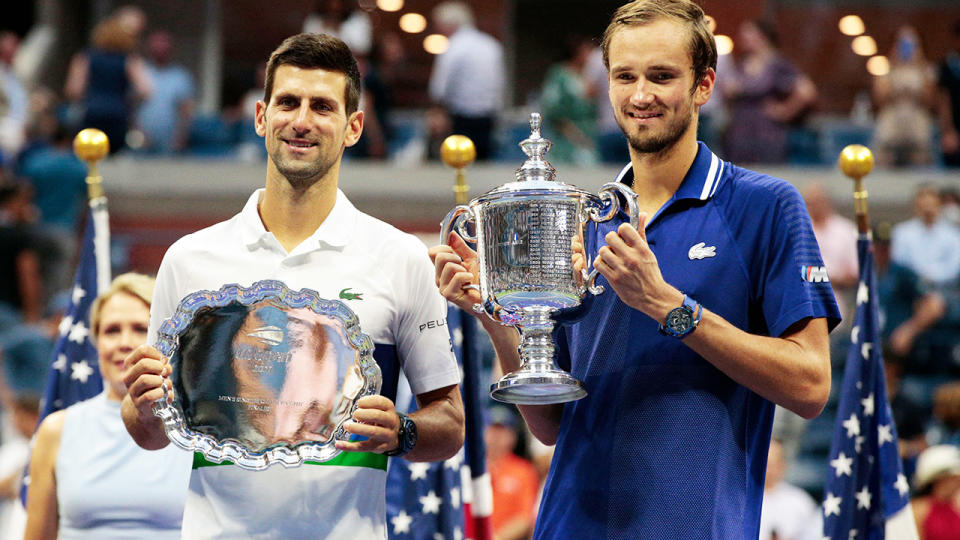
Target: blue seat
x,y
211,136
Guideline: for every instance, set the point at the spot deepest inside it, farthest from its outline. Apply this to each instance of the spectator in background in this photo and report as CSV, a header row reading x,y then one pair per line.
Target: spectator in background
x,y
946,415
13,100
936,505
837,237
904,99
21,284
568,107
342,19
88,478
788,512
514,480
948,105
765,93
468,79
164,118
950,205
919,324
927,244
59,184
100,80
14,455
610,141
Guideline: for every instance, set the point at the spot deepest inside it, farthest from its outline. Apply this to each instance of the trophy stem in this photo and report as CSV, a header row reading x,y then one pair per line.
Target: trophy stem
x,y
538,381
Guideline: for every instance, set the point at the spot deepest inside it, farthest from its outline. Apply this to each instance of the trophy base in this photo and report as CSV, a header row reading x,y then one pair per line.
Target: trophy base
x,y
537,388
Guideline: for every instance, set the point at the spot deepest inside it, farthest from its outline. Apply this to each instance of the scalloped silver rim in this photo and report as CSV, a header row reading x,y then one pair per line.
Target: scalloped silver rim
x,y
171,414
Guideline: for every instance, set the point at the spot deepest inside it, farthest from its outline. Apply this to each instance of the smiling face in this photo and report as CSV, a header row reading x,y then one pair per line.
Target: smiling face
x,y
123,323
305,124
652,86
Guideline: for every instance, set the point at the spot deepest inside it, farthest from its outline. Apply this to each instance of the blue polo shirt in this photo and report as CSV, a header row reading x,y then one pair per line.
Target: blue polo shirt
x,y
665,445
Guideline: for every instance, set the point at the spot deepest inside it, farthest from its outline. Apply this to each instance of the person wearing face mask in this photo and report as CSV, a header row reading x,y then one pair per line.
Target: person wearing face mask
x,y
904,99
89,480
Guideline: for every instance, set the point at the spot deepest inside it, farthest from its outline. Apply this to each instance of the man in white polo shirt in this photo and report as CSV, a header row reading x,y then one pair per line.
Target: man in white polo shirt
x,y
302,230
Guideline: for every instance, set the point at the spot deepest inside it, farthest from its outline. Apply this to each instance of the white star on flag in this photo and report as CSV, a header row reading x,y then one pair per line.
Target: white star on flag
x,y
831,505
852,535
401,523
81,371
855,334
884,434
419,470
431,503
865,350
902,485
78,332
65,323
78,294
853,425
438,536
60,363
455,497
455,462
457,534
863,498
842,465
867,403
858,443
458,336
863,293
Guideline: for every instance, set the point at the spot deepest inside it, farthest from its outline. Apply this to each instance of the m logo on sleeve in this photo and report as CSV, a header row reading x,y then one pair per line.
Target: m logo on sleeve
x,y
814,274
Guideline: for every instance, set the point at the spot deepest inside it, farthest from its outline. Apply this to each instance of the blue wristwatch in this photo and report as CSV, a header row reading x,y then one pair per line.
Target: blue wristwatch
x,y
682,321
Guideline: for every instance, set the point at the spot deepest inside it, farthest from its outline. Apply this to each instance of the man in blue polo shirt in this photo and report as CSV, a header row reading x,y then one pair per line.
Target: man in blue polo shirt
x,y
716,308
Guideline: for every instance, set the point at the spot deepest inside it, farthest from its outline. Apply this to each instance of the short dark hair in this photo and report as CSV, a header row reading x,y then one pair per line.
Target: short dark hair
x,y
701,44
316,51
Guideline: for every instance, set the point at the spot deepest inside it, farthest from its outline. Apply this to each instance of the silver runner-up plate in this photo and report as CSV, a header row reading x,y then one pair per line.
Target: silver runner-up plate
x,y
263,374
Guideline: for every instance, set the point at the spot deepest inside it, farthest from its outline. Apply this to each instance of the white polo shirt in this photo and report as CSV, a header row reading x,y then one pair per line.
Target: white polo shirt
x,y
385,277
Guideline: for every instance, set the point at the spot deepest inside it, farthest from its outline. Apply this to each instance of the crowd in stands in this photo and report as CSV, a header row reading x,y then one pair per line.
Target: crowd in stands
x,y
130,87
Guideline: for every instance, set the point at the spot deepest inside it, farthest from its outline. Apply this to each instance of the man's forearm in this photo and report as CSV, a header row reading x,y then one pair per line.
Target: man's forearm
x,y
148,433
440,422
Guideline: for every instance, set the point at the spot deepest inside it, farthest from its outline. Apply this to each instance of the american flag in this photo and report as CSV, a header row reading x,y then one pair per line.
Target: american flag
x,y
867,495
74,370
439,501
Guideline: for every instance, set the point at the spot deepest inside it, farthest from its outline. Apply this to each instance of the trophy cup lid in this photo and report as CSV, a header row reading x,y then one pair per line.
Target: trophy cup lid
x,y
536,173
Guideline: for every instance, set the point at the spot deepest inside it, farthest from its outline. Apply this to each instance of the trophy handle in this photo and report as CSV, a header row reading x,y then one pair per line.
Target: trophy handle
x,y
452,221
608,195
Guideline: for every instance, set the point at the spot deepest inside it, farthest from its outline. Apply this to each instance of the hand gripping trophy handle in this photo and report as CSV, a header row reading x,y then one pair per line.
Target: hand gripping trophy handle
x,y
608,194
454,222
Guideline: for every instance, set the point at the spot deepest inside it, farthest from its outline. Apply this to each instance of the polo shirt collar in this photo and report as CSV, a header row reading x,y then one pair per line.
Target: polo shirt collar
x,y
701,180
335,231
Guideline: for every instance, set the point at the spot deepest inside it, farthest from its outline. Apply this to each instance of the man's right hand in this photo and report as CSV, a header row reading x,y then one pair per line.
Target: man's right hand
x,y
457,267
146,371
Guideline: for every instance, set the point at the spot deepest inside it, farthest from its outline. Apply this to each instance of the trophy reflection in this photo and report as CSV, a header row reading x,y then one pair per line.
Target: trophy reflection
x,y
526,233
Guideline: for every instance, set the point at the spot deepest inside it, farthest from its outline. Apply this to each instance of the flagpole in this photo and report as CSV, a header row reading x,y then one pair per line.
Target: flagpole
x,y
91,145
856,161
458,151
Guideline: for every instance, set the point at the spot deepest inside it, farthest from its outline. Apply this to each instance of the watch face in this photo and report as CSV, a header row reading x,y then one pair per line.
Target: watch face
x,y
679,320
410,434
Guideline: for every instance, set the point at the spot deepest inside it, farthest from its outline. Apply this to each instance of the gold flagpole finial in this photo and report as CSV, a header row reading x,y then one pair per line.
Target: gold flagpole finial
x,y
856,161
458,151
91,145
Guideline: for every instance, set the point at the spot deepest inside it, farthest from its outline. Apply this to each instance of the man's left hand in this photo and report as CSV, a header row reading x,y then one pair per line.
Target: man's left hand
x,y
375,418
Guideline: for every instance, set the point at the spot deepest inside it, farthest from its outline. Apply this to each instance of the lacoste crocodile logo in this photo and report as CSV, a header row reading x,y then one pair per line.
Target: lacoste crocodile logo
x,y
349,295
701,251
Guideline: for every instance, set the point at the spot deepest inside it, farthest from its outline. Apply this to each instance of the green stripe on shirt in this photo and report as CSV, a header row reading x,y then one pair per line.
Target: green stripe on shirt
x,y
343,459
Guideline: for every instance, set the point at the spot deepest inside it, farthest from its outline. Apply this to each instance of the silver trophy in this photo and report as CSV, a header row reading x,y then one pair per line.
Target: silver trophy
x,y
524,233
263,374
